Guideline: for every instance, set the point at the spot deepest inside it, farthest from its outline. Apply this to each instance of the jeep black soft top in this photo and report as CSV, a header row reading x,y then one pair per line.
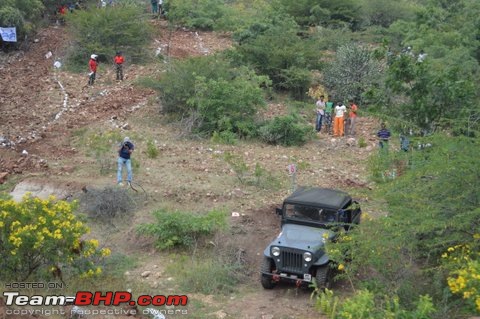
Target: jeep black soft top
x,y
315,196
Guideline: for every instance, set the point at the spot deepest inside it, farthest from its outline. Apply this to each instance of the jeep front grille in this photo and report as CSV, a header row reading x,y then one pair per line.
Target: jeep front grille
x,y
291,261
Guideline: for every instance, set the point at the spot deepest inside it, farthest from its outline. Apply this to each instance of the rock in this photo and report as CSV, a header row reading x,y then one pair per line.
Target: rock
x,y
220,314
24,153
127,273
351,141
145,274
3,177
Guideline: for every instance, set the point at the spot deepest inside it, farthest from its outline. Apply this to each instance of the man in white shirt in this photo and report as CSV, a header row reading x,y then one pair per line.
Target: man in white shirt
x,y
320,104
338,125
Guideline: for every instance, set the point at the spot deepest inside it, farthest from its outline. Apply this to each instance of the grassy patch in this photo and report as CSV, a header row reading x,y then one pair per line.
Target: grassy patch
x,y
206,274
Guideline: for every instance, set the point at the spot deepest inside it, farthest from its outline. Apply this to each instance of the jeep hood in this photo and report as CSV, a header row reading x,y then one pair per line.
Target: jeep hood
x,y
302,237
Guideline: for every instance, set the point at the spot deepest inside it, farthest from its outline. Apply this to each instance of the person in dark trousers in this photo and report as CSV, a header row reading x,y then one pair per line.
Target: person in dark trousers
x,y
92,64
119,59
154,7
126,149
383,137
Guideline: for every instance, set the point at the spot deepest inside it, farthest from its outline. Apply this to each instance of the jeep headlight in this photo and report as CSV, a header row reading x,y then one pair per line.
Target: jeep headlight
x,y
275,251
307,256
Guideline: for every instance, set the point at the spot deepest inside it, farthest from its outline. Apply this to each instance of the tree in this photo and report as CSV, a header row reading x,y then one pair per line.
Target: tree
x,y
353,72
38,238
105,31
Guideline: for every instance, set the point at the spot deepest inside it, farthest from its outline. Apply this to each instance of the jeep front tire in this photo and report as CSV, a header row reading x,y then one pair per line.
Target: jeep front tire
x,y
267,280
323,277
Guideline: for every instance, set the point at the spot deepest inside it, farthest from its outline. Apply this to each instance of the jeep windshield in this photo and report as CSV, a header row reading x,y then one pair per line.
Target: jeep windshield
x,y
308,213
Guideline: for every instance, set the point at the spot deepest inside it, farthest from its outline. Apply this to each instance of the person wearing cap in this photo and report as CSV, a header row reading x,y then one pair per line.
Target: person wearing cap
x,y
93,63
124,153
119,59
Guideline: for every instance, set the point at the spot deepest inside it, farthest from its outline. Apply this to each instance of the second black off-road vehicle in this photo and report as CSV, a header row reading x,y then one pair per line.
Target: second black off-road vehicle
x,y
310,218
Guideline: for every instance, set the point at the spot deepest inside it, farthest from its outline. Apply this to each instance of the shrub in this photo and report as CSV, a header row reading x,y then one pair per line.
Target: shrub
x,y
365,305
182,229
24,15
362,143
225,137
352,72
213,95
108,203
274,48
205,14
287,130
101,147
106,31
152,150
37,237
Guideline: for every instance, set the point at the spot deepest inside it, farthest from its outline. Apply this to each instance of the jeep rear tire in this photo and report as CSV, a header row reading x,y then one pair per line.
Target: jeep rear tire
x,y
323,277
267,280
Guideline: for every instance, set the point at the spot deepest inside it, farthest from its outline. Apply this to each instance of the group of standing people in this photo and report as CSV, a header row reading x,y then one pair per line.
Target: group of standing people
x,y
118,60
343,118
157,7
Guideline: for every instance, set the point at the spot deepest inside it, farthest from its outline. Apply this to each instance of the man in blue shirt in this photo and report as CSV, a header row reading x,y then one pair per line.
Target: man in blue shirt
x,y
383,137
124,153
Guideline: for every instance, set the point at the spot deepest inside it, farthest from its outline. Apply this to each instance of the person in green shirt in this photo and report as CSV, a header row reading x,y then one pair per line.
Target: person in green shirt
x,y
328,116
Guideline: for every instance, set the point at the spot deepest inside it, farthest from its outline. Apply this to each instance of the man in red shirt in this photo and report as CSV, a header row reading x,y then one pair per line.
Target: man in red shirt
x,y
93,63
119,59
352,118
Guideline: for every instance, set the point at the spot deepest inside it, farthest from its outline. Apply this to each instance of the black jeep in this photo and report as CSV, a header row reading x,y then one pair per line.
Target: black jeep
x,y
310,218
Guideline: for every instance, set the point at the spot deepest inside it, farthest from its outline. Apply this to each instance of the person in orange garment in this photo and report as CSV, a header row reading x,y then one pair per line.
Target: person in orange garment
x,y
352,114
119,59
338,125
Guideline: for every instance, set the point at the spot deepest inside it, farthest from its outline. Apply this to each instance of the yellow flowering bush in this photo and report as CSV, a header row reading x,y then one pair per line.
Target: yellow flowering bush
x,y
38,235
464,277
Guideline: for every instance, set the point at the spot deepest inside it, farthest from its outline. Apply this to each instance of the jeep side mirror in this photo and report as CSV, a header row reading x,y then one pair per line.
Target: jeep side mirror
x,y
279,211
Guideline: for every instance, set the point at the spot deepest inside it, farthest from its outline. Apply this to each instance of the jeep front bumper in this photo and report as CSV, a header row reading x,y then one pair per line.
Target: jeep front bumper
x,y
307,278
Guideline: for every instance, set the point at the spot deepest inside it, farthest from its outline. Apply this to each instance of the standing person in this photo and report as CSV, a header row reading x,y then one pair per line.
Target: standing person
x,y
160,7
119,59
320,113
383,137
352,118
328,116
92,64
124,153
154,7
338,125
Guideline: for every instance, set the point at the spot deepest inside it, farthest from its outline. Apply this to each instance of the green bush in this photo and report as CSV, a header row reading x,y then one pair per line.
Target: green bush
x,y
353,72
213,95
225,137
24,15
205,14
152,150
40,238
365,305
432,208
274,48
182,229
103,32
287,130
